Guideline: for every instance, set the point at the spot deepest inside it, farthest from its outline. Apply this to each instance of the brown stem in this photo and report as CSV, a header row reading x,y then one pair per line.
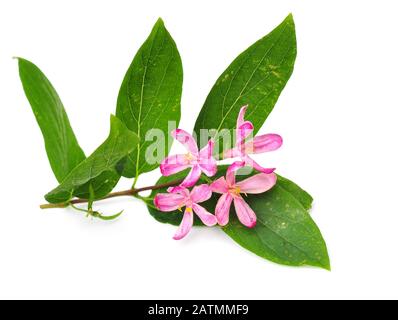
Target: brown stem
x,y
124,193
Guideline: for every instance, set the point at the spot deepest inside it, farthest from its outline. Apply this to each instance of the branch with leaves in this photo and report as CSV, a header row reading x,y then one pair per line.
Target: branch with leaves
x,y
270,214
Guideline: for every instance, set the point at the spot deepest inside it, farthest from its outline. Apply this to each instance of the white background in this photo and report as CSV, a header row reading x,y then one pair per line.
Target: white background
x,y
338,117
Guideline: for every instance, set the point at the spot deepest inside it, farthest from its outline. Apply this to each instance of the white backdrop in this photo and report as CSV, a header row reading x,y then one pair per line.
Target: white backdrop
x,y
338,117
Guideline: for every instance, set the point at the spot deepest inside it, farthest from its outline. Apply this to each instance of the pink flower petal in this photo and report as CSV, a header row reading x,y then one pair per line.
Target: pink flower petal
x,y
243,128
179,190
186,139
207,218
245,214
174,164
192,177
222,209
209,167
168,202
243,132
264,143
207,151
232,153
219,186
232,170
250,162
206,161
258,183
185,226
241,116
201,193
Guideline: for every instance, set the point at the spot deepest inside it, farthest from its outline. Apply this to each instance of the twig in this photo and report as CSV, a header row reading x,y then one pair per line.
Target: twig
x,y
130,192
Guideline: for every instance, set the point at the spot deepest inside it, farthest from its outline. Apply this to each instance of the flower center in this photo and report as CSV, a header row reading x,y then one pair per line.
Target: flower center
x,y
189,156
235,191
188,209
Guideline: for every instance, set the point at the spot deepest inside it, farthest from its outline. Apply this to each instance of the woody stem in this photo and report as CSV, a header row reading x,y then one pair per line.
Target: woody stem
x,y
130,192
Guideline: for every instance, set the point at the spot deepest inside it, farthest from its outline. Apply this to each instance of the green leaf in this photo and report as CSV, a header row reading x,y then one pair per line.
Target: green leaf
x,y
301,195
285,232
63,150
150,96
255,78
100,171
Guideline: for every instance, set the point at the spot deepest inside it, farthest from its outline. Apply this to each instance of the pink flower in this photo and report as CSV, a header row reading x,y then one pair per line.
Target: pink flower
x,y
232,191
179,197
199,161
260,144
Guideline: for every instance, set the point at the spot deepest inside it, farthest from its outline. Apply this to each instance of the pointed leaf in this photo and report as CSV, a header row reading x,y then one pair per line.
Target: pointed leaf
x,y
63,150
285,232
256,78
150,95
301,195
100,170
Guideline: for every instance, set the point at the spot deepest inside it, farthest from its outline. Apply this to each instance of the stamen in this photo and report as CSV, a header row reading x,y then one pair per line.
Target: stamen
x,y
189,156
236,191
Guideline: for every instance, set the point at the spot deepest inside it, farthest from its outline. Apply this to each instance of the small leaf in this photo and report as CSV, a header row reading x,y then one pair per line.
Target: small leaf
x,y
285,232
100,170
255,78
63,150
150,96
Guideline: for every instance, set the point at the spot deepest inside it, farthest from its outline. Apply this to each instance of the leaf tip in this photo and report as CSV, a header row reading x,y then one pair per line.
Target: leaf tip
x,y
326,267
290,17
159,25
324,262
112,117
19,60
329,268
160,22
289,20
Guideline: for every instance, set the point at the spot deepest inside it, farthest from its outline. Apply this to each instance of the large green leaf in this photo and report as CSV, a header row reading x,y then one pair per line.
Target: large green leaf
x,y
101,169
150,95
301,195
63,151
255,78
285,232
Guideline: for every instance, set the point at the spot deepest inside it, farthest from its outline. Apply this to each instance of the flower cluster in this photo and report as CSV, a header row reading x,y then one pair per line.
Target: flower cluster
x,y
202,161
